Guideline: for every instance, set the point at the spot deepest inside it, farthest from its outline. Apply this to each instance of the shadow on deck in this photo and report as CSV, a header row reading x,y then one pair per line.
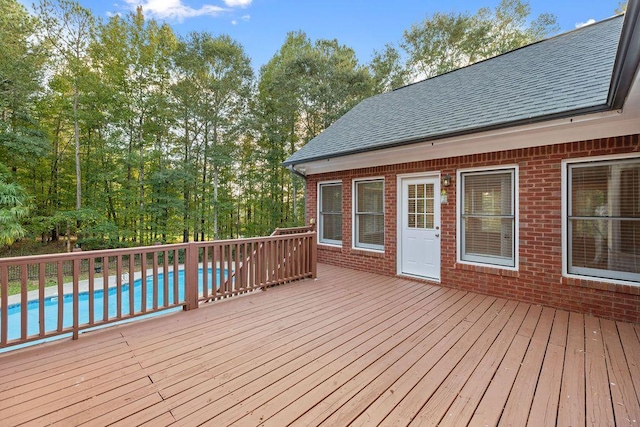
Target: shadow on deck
x,y
347,348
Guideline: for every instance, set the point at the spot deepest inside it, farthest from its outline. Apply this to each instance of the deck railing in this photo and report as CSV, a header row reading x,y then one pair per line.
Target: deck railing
x,y
122,284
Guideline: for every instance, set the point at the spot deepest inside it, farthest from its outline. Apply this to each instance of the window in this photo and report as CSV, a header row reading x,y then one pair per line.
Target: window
x,y
330,210
369,214
603,219
487,207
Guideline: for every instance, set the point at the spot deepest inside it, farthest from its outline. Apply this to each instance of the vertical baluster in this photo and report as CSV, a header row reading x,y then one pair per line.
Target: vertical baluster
x,y
92,266
165,277
288,252
205,273
176,284
4,304
251,266
228,282
76,296
119,286
237,283
41,285
314,256
132,269
105,288
155,280
215,254
24,283
60,274
143,282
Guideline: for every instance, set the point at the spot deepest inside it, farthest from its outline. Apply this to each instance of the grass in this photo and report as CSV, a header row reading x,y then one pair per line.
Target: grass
x,y
15,287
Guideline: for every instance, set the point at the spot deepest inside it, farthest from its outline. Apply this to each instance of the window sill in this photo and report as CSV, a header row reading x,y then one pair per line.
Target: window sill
x,y
601,285
330,245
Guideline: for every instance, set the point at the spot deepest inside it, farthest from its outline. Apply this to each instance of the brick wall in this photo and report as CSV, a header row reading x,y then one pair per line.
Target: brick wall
x,y
539,278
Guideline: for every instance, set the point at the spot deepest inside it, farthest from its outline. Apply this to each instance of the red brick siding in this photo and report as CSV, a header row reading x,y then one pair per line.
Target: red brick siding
x,y
539,278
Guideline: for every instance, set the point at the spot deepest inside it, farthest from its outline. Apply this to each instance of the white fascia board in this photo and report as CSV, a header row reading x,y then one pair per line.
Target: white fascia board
x,y
593,126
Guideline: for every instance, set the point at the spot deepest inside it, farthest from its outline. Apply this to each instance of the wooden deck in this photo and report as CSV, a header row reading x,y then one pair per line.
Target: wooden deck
x,y
350,348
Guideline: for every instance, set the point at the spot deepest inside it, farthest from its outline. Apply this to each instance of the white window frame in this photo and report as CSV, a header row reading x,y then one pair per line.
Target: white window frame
x,y
565,220
488,261
320,218
354,215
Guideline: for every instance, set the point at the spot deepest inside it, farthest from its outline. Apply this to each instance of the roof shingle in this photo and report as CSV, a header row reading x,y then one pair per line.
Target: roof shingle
x,y
567,73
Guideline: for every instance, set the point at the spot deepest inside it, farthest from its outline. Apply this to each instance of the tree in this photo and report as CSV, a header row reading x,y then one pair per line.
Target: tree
x,y
622,7
222,76
13,209
133,57
447,41
387,70
302,90
21,61
68,29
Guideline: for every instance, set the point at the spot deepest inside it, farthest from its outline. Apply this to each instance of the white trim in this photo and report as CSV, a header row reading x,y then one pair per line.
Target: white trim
x,y
399,179
564,192
329,245
333,243
516,213
579,128
415,276
354,181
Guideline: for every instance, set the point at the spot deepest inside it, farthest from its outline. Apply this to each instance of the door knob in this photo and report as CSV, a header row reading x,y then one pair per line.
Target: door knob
x,y
437,235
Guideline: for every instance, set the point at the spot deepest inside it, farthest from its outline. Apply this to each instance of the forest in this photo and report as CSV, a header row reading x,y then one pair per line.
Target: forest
x,y
120,132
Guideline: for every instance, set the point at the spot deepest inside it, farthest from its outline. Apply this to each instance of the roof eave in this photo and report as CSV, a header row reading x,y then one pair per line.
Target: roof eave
x,y
470,131
627,57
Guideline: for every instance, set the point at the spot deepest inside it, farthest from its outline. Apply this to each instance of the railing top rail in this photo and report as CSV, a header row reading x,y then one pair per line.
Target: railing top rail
x,y
292,230
70,256
251,239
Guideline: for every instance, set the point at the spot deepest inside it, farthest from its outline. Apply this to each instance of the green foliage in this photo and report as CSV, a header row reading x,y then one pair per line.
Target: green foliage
x,y
447,41
387,70
13,209
622,7
119,133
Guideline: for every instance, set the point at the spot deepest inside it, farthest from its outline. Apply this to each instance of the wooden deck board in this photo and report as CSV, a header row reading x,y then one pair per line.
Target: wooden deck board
x,y
544,409
571,408
598,391
363,370
348,348
625,407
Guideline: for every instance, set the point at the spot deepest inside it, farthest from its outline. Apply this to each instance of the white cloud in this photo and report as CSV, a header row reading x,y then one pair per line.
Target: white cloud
x,y
584,24
175,9
246,18
234,22
237,3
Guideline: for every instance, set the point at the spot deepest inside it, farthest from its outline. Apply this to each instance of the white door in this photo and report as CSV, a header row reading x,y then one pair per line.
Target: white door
x,y
420,232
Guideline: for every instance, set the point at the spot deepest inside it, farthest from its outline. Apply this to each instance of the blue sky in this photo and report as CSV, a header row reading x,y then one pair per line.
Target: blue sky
x,y
261,25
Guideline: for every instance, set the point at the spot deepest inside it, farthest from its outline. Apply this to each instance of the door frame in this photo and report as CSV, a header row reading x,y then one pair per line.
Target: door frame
x,y
399,216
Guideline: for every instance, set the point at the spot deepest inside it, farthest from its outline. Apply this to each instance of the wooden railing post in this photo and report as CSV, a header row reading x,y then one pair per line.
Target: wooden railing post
x,y
191,277
314,255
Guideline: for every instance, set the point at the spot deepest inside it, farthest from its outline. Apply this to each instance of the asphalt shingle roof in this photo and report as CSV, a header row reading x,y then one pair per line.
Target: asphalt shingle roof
x,y
565,73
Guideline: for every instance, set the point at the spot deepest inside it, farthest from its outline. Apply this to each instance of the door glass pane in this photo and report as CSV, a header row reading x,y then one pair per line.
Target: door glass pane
x,y
420,206
429,221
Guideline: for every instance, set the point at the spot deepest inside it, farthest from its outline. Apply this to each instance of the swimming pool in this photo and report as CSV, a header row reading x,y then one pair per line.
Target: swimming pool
x,y
51,304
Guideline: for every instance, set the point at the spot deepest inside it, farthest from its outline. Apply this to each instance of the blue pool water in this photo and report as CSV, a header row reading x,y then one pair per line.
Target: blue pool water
x,y
51,304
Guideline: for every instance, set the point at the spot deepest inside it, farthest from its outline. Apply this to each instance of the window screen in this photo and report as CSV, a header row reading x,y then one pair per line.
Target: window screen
x,y
487,218
604,219
369,214
330,227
